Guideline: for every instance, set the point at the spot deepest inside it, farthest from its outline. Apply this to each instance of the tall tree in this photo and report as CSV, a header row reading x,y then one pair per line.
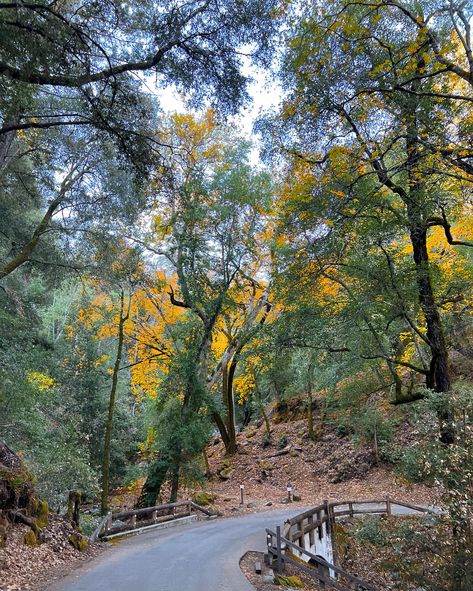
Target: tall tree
x,y
362,134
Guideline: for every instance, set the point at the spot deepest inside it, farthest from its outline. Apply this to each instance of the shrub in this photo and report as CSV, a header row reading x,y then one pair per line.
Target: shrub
x,y
266,439
370,530
282,441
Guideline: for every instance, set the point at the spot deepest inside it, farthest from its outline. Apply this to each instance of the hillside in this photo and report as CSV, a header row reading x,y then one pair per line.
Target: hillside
x,y
331,467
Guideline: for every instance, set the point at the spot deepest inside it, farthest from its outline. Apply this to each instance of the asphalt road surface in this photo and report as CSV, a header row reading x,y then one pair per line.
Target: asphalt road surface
x,y
201,556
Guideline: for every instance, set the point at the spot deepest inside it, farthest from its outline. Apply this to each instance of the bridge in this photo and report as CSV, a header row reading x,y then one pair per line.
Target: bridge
x,y
308,538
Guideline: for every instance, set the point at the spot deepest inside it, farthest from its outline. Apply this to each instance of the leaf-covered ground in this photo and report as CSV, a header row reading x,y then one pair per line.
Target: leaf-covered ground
x,y
332,468
25,568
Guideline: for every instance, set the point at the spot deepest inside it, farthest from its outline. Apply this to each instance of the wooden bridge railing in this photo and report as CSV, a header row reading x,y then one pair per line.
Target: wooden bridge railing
x,y
312,522
320,569
128,521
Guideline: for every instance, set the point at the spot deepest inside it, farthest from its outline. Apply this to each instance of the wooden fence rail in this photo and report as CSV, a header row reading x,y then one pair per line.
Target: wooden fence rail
x,y
311,522
277,547
128,521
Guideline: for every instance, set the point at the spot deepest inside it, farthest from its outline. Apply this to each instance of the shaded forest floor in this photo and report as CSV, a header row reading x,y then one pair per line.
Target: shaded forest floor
x,y
27,568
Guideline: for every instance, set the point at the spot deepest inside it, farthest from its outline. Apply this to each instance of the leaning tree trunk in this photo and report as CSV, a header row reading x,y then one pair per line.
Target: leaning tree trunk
x,y
227,378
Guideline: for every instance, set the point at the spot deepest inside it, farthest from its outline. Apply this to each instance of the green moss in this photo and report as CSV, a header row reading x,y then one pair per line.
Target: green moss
x,y
79,542
33,506
204,498
42,514
226,473
342,539
265,465
30,538
289,581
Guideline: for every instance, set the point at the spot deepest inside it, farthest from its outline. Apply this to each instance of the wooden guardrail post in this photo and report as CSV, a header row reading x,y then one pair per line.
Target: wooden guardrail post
x,y
108,522
133,521
279,563
350,509
388,506
269,546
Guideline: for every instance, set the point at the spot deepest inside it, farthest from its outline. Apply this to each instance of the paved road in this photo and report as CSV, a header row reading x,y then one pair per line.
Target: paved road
x,y
196,557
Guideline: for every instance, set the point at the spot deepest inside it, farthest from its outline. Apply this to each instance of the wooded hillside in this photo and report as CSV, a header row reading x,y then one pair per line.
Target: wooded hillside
x,y
162,286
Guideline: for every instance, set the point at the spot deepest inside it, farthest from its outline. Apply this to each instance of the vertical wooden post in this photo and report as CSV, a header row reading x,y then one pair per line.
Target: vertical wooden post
x,y
388,506
311,530
279,565
327,516
320,530
269,545
133,521
155,516
108,522
350,508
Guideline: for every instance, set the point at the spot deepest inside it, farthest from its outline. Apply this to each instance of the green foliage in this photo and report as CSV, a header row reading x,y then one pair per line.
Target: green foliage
x,y
282,441
370,530
266,439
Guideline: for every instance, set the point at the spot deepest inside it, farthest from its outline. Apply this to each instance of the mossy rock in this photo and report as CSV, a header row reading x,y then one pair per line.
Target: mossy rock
x,y
342,539
265,465
30,538
252,433
289,581
79,542
296,558
203,498
226,473
42,514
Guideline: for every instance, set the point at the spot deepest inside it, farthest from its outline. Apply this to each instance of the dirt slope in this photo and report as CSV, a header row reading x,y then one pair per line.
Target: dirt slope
x,y
331,467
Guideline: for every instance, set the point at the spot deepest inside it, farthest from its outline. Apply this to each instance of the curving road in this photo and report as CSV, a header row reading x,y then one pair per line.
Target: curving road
x,y
202,556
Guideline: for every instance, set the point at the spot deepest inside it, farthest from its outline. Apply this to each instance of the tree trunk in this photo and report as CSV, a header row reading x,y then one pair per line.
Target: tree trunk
x,y
73,506
267,424
157,473
310,416
438,377
174,485
208,471
221,428
111,407
228,375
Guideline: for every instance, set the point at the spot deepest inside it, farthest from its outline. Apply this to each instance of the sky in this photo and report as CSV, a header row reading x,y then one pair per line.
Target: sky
x,y
265,94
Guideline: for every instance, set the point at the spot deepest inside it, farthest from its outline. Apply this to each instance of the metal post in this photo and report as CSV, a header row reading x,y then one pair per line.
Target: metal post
x,y
279,565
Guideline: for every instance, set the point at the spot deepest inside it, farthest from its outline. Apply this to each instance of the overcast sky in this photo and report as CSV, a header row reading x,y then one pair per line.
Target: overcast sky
x,y
265,94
